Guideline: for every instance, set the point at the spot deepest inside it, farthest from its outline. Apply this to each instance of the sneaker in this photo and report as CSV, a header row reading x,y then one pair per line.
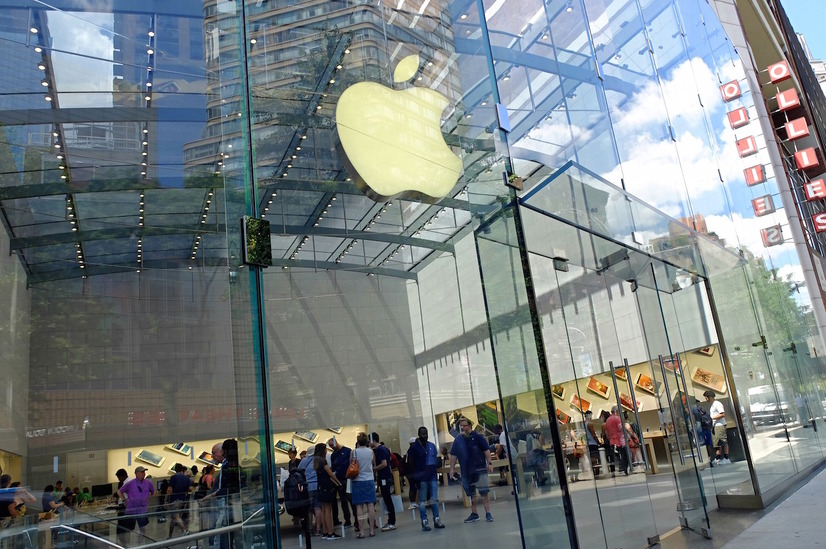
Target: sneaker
x,y
425,526
332,537
413,506
473,517
725,461
489,517
437,522
186,533
388,527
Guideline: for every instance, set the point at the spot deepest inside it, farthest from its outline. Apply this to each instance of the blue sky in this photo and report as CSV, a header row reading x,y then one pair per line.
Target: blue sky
x,y
808,17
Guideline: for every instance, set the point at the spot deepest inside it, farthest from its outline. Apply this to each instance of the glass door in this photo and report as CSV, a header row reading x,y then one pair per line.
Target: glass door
x,y
673,327
604,328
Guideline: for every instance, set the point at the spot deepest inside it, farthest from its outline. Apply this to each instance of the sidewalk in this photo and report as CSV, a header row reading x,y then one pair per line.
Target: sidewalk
x,y
795,520
798,521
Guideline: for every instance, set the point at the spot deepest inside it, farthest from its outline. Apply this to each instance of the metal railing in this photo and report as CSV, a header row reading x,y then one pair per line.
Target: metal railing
x,y
166,543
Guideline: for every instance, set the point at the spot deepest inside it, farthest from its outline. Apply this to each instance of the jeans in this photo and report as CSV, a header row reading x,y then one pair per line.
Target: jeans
x,y
384,487
428,489
620,453
346,504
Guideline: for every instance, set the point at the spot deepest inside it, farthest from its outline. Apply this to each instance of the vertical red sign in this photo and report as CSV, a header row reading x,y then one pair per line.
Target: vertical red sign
x,y
755,175
787,100
819,221
815,189
797,128
738,118
730,90
746,147
779,72
807,158
772,236
763,205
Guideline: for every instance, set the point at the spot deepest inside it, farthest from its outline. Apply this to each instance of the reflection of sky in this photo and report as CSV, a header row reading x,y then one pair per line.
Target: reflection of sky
x,y
87,68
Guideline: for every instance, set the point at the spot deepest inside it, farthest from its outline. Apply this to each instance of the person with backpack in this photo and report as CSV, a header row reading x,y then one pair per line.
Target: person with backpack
x,y
703,424
297,500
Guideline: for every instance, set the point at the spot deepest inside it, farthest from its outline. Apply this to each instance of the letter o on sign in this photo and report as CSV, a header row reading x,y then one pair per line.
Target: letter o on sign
x,y
779,72
730,90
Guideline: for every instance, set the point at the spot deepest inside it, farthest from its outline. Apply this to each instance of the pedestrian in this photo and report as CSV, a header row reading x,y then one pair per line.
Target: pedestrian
x,y
422,456
135,494
719,437
472,452
384,478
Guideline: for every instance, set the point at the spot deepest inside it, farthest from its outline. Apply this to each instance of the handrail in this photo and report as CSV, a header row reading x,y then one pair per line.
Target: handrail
x,y
167,542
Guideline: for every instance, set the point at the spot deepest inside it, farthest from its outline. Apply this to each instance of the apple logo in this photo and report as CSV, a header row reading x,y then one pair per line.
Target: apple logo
x,y
391,141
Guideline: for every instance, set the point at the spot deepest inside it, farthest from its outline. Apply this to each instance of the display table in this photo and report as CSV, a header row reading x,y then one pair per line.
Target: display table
x,y
655,440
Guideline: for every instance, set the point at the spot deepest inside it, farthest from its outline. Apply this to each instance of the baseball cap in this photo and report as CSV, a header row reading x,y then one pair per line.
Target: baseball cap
x,y
412,440
140,469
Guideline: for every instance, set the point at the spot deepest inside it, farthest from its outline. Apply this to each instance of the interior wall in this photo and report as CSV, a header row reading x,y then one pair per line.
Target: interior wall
x,y
15,319
127,359
340,351
455,344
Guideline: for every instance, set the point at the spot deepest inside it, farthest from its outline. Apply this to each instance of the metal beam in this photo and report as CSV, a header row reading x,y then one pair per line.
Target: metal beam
x,y
24,117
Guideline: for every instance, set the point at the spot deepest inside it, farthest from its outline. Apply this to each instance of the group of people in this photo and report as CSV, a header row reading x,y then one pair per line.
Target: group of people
x,y
619,437
15,500
470,462
212,489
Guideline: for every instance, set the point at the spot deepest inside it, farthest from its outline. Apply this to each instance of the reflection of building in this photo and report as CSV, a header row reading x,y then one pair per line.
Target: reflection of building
x,y
634,246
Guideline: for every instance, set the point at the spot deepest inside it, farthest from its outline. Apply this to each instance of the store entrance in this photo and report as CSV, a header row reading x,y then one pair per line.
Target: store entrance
x,y
617,326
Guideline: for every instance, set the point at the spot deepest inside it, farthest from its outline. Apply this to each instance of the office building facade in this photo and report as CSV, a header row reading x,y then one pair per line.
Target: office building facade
x,y
513,211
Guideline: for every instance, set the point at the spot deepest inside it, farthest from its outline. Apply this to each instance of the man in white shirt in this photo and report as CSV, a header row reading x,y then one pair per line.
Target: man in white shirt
x,y
718,414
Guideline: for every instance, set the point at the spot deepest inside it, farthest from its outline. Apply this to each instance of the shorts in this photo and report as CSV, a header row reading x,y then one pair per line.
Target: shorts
x,y
478,481
128,522
719,438
176,506
314,501
705,437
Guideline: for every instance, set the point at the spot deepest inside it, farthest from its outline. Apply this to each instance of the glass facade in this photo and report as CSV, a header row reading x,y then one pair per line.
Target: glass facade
x,y
526,213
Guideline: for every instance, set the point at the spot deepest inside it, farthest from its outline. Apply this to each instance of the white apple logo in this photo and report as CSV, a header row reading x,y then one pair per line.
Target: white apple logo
x,y
392,140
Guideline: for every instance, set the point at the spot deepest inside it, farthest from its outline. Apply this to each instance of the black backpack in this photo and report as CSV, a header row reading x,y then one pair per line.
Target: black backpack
x,y
296,493
705,419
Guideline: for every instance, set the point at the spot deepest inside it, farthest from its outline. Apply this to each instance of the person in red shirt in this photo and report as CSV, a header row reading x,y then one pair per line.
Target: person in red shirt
x,y
616,437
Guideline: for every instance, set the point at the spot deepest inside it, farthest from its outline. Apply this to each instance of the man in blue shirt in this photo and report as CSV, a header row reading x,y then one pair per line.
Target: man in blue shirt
x,y
339,461
423,455
473,453
177,499
384,478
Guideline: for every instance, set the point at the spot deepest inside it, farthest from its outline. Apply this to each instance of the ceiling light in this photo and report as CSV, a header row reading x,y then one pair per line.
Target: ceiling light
x,y
347,50
38,49
48,98
151,32
145,130
303,137
148,97
41,66
60,157
34,30
44,83
463,16
253,41
61,167
144,153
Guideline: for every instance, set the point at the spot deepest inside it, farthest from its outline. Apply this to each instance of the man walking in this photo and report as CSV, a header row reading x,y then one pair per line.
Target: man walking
x,y
384,478
472,452
423,454
177,498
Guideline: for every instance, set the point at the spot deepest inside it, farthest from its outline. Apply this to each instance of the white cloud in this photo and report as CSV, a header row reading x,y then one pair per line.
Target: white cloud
x,y
88,67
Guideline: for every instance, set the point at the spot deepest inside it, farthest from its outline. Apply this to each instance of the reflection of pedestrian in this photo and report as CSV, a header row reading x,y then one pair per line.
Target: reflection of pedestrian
x,y
473,453
413,494
719,436
616,436
593,443
136,494
537,456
